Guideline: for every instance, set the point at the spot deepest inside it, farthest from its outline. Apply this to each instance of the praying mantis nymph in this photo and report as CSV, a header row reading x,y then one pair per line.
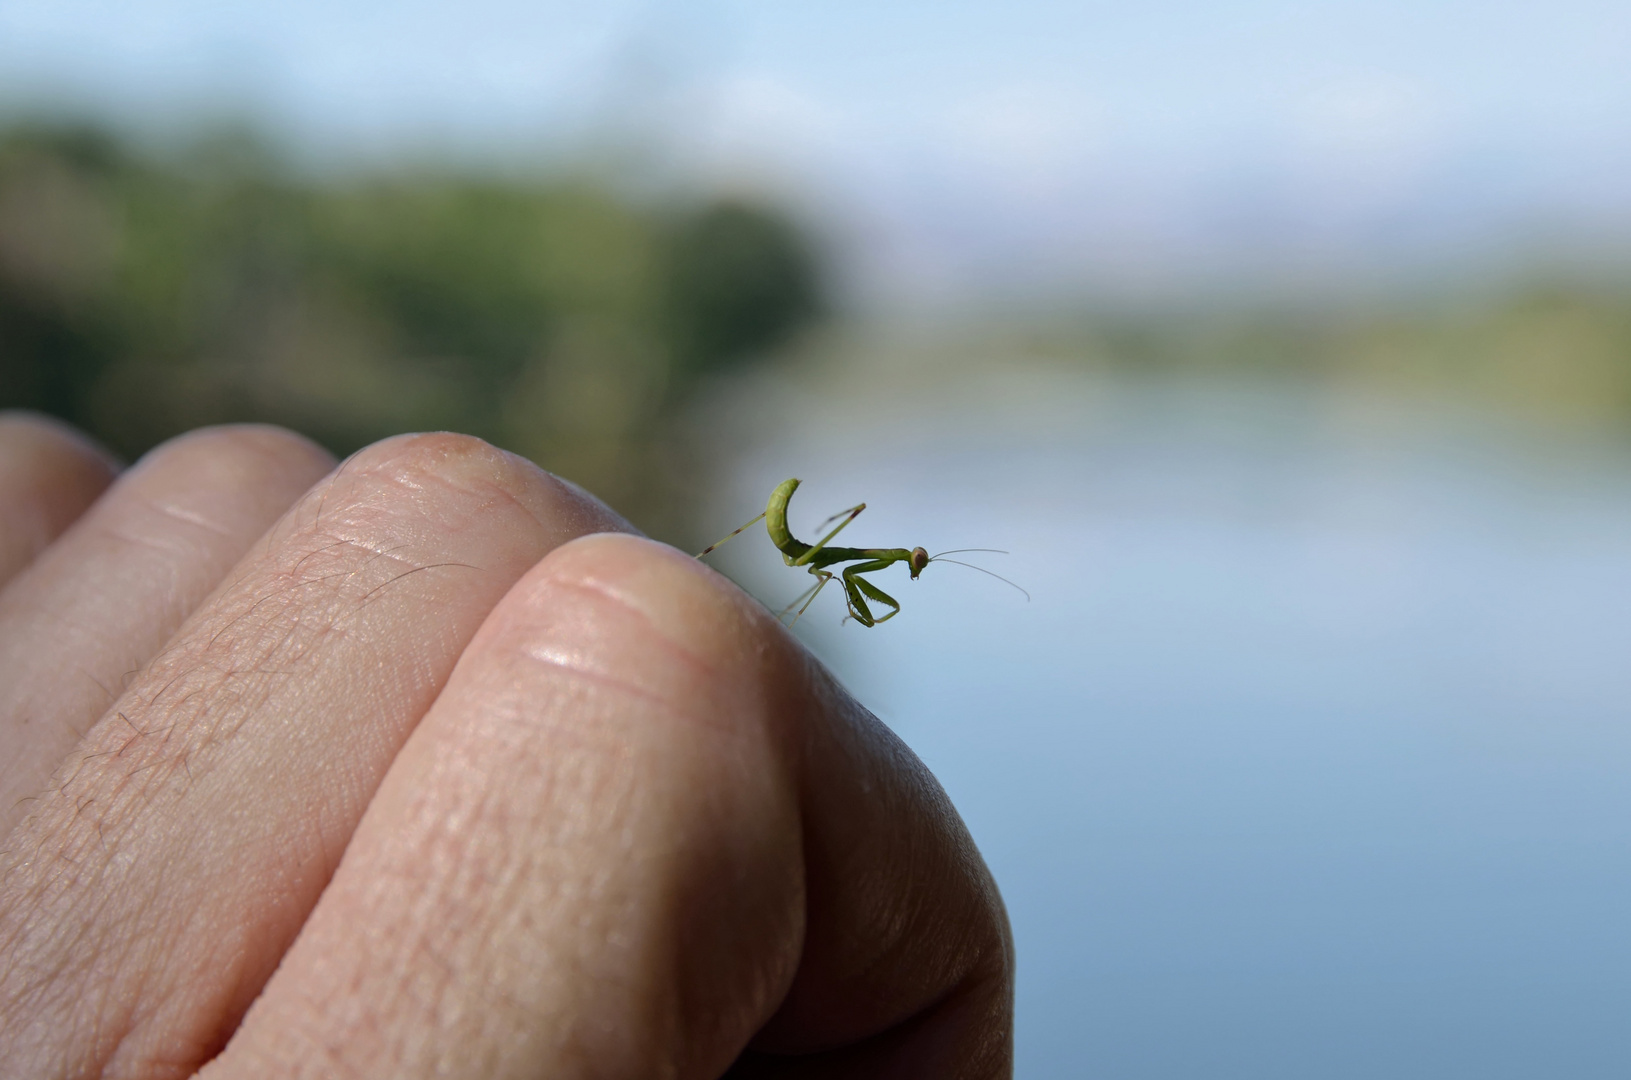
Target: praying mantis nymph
x,y
820,555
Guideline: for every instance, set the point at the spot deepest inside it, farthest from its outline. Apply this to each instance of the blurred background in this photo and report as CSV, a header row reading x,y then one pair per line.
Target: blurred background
x,y
1286,348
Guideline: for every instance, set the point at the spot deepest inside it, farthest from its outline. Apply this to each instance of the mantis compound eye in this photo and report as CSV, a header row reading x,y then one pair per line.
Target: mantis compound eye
x,y
918,561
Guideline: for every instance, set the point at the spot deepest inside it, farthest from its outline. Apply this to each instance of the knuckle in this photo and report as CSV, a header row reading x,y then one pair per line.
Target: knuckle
x,y
452,457
485,476
232,455
244,439
457,479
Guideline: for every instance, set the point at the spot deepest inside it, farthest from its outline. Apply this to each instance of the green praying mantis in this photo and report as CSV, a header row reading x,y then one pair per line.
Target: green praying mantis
x,y
822,554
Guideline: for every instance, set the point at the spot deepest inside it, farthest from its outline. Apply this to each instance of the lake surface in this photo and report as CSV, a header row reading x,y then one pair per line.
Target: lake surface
x,y
1311,755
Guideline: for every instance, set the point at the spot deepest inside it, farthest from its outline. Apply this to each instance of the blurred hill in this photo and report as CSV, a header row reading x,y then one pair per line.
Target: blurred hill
x,y
142,294
145,293
1554,350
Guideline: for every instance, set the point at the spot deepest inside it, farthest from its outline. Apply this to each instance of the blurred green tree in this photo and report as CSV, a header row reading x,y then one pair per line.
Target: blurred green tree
x,y
143,294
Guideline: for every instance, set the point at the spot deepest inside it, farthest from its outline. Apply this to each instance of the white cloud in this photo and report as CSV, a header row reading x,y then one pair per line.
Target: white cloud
x,y
1036,136
1376,120
755,114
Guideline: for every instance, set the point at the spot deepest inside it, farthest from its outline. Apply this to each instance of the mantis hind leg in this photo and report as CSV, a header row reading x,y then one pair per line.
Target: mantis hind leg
x,y
737,533
787,609
812,592
798,600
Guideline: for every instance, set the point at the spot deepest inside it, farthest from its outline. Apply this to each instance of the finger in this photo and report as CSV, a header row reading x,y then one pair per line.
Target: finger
x,y
616,846
107,596
180,847
49,474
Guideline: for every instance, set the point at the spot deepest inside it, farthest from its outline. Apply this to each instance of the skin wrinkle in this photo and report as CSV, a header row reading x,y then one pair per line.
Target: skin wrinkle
x,y
577,670
323,489
107,693
51,981
212,680
756,1061
296,581
191,517
623,600
175,513
509,496
602,592
449,833
355,579
242,441
168,546
699,668
974,956
404,475
904,924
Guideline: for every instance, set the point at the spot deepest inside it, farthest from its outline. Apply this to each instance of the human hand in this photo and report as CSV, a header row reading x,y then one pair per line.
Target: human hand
x,y
406,774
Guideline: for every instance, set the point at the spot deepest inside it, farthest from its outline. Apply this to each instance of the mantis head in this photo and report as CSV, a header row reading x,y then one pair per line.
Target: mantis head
x,y
917,562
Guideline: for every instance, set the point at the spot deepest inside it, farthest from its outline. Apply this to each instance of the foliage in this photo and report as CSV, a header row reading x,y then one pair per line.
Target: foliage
x,y
1558,350
141,295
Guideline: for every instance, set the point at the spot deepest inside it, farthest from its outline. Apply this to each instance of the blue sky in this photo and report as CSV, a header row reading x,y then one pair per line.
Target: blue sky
x,y
1063,143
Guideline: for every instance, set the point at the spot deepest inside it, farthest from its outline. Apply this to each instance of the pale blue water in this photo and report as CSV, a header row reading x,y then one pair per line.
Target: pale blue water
x,y
1312,755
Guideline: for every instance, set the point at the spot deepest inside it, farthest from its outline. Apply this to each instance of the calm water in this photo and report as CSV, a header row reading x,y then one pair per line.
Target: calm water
x,y
1311,756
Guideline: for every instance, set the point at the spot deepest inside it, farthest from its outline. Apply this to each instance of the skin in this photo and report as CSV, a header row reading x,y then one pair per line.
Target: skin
x,y
423,765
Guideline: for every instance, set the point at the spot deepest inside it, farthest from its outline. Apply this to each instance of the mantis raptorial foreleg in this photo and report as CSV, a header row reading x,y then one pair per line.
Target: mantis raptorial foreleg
x,y
855,586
